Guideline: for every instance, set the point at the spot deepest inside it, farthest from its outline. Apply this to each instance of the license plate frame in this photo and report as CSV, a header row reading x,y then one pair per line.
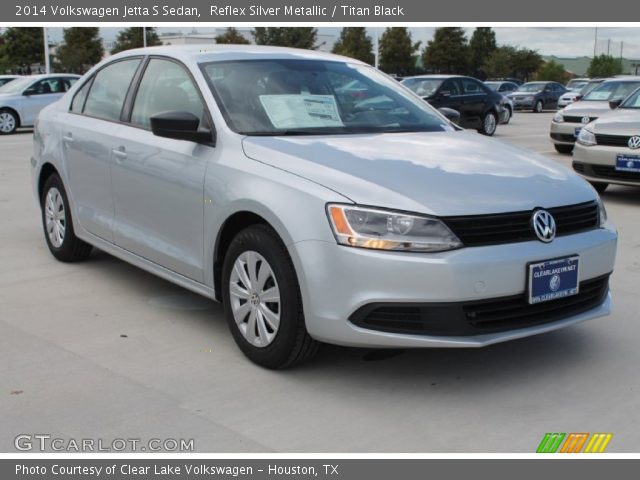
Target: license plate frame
x,y
552,279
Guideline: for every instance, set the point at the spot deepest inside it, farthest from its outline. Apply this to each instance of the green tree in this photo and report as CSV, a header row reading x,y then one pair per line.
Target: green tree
x,y
355,43
499,63
231,35
604,66
447,51
525,63
23,46
4,62
132,38
551,71
296,37
397,51
481,46
80,50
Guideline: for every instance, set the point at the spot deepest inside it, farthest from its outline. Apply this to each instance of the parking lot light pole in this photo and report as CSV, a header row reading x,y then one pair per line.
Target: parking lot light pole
x,y
144,37
47,62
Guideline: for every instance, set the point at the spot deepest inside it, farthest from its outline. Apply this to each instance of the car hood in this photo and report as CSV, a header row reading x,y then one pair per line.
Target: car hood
x,y
586,109
618,122
444,173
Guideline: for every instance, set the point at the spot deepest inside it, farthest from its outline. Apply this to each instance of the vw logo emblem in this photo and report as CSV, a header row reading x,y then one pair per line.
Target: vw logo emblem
x,y
585,120
544,225
634,142
554,283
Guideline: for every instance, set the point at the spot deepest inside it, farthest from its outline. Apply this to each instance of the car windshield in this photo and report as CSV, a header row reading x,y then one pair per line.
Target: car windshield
x,y
576,84
425,87
531,87
633,101
611,90
588,87
493,85
315,97
16,86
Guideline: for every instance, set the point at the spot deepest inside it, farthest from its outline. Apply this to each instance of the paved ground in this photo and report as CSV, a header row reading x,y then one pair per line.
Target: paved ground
x,y
103,350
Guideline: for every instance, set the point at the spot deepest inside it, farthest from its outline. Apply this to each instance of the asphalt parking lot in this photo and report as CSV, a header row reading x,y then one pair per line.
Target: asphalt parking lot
x,y
103,350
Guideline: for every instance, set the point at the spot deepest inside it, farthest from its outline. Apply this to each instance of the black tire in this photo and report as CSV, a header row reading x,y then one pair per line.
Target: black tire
x,y
72,249
9,116
538,107
292,344
599,186
563,148
488,127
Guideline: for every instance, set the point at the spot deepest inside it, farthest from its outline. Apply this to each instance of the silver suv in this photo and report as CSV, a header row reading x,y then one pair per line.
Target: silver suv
x,y
314,211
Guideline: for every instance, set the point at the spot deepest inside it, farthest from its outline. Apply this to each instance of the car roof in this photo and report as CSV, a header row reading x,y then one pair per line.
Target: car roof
x,y
202,53
623,78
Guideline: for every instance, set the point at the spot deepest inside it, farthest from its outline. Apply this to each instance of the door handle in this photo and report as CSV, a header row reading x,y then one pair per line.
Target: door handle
x,y
120,153
68,138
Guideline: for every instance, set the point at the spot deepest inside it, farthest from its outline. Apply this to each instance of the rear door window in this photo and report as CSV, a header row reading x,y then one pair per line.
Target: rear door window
x,y
109,89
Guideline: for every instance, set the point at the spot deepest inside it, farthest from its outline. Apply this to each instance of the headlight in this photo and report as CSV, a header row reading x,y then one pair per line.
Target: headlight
x,y
603,213
386,230
558,118
586,137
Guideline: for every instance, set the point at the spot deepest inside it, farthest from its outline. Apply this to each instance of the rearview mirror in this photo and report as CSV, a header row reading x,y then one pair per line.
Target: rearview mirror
x,y
615,103
180,126
451,114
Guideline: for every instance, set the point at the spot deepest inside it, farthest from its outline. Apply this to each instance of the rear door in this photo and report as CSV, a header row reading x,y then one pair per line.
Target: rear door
x,y
158,183
88,135
474,100
39,95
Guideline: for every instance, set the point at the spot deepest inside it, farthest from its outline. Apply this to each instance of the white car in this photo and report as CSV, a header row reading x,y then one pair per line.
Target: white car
x,y
608,149
566,123
22,99
577,93
239,173
4,79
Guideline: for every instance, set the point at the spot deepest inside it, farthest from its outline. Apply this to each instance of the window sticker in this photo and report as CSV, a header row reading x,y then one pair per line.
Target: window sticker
x,y
301,111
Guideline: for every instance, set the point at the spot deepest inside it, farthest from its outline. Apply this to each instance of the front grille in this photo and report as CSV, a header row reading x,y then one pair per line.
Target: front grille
x,y
605,172
473,318
572,119
612,140
478,230
563,137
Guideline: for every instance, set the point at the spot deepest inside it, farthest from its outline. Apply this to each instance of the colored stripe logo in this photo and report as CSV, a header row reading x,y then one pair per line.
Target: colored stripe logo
x,y
574,443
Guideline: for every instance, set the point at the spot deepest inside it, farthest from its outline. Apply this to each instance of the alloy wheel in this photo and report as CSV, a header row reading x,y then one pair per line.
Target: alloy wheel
x,y
7,122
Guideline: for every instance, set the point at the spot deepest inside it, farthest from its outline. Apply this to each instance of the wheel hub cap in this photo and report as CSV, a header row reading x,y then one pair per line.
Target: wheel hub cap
x,y
55,217
255,299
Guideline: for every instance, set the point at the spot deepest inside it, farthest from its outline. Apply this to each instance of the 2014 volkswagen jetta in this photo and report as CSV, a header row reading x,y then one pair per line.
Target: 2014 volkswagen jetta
x,y
314,210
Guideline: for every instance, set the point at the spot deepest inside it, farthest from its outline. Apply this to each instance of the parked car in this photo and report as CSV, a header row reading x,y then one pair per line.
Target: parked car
x,y
21,100
235,172
566,124
537,96
575,95
480,107
504,88
4,79
608,148
577,83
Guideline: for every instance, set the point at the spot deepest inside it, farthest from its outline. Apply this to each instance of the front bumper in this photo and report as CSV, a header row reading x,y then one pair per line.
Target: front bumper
x,y
564,133
337,281
597,164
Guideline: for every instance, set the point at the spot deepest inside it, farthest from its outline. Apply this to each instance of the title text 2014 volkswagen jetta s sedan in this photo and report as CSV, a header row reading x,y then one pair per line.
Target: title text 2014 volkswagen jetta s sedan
x,y
315,214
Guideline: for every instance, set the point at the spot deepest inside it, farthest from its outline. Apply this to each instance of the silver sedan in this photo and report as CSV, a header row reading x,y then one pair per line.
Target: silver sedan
x,y
314,213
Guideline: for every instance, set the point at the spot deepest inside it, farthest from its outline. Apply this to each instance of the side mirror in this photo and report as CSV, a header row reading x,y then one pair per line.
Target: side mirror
x,y
578,97
444,93
547,90
615,103
180,126
451,114
28,92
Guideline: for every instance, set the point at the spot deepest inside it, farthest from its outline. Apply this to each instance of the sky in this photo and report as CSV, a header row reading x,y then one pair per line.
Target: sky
x,y
559,41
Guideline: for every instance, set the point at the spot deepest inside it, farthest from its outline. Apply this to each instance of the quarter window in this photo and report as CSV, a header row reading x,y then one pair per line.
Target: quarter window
x,y
166,86
109,89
